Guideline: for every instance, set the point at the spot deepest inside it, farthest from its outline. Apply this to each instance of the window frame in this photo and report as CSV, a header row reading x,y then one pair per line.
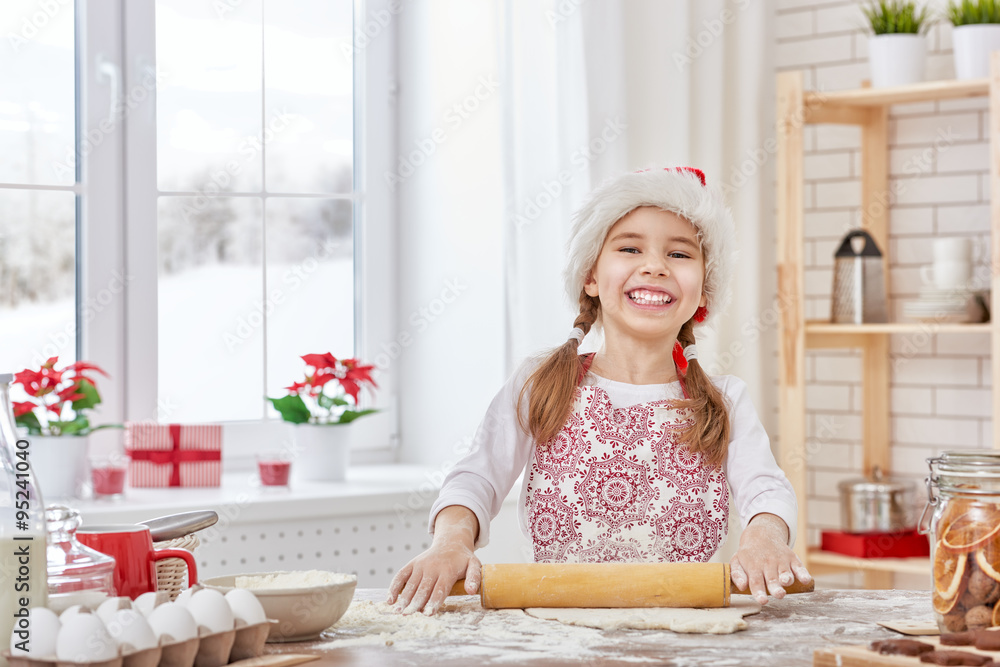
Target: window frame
x,y
122,198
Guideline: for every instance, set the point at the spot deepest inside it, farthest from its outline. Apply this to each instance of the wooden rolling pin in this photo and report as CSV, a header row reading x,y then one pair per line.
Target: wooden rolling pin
x,y
520,585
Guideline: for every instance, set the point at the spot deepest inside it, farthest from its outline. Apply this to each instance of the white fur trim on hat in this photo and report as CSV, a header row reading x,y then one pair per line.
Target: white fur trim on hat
x,y
676,190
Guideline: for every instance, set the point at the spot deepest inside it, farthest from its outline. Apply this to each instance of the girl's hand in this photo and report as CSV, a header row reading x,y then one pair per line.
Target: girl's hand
x,y
425,581
764,560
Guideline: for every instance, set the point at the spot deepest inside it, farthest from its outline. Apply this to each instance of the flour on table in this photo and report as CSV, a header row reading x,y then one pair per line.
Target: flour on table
x,y
720,621
510,635
497,635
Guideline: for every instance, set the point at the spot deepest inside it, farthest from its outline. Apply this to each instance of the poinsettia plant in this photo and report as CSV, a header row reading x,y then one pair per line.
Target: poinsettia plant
x,y
60,398
329,393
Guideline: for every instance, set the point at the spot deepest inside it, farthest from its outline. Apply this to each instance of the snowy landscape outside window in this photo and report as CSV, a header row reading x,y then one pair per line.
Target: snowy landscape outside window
x,y
255,199
38,186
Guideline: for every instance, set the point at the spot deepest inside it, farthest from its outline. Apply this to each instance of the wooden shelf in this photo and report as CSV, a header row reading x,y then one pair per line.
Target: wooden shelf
x,y
867,109
821,335
821,327
927,91
839,562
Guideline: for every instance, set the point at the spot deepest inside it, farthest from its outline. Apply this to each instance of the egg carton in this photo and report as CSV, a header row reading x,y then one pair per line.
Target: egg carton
x,y
208,650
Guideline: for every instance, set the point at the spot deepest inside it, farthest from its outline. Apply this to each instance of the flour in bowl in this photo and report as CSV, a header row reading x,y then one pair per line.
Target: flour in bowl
x,y
284,580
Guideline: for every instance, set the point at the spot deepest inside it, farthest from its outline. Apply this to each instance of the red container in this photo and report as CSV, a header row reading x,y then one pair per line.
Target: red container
x,y
274,472
108,480
903,544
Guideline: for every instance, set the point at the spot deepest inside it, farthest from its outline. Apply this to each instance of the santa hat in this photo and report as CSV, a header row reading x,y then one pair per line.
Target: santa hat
x,y
680,190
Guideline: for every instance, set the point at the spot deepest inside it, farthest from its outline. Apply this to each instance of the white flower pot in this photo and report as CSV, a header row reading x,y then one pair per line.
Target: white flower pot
x,y
322,452
60,465
897,59
973,45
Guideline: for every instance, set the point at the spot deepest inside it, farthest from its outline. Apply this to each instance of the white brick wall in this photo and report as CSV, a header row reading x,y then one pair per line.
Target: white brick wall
x,y
939,168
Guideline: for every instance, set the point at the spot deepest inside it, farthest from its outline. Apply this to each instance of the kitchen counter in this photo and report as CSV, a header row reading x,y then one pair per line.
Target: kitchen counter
x,y
785,632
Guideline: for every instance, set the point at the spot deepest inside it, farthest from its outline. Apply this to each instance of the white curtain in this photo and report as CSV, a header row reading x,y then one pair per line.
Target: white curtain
x,y
604,86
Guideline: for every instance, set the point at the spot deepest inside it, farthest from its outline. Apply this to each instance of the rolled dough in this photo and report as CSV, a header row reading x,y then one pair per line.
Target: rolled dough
x,y
721,621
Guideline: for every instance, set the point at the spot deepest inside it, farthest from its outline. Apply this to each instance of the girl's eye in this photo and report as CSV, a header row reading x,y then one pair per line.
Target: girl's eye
x,y
629,250
679,254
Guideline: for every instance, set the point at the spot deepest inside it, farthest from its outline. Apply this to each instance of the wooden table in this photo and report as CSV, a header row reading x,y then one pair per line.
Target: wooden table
x,y
785,633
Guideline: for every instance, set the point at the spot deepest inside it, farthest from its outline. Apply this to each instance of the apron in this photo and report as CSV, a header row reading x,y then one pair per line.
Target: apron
x,y
615,485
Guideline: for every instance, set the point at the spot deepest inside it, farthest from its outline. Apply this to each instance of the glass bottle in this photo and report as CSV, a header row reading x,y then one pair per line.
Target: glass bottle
x,y
23,580
963,491
77,573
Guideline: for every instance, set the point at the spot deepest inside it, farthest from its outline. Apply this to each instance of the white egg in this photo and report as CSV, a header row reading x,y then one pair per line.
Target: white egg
x,y
43,628
147,602
246,607
131,630
185,596
83,638
210,609
72,611
173,621
107,609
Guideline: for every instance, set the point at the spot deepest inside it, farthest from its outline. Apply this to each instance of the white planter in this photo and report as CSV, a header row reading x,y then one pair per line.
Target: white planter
x,y
322,452
897,59
973,45
60,465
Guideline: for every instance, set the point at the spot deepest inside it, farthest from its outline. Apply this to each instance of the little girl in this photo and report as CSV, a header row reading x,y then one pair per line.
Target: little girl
x,y
629,454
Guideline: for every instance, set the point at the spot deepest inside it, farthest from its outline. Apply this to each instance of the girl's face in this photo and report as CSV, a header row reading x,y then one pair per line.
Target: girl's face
x,y
650,274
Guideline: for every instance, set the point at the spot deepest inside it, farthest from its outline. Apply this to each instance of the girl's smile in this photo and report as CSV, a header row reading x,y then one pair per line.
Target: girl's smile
x,y
650,273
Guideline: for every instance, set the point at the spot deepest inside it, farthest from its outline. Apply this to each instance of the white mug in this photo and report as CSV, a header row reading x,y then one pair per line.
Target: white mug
x,y
947,275
953,249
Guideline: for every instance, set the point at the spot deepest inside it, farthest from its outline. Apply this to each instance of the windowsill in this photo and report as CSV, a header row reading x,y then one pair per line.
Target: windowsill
x,y
368,489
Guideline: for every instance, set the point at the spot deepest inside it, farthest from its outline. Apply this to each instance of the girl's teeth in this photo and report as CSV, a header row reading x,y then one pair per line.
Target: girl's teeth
x,y
648,302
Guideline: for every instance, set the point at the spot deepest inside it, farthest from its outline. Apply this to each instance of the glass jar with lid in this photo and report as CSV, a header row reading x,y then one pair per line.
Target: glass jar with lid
x,y
77,573
962,519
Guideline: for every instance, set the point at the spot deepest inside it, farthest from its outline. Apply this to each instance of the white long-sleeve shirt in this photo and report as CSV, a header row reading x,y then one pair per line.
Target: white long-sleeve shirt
x,y
501,450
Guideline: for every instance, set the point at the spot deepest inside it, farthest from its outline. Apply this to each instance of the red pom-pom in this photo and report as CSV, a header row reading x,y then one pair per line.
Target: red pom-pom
x,y
679,359
700,314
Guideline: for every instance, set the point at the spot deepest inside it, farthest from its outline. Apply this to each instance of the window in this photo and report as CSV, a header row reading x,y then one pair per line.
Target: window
x,y
230,180
255,199
38,185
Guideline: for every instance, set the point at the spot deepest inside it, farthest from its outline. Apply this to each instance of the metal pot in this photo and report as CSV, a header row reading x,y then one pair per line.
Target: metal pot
x,y
876,504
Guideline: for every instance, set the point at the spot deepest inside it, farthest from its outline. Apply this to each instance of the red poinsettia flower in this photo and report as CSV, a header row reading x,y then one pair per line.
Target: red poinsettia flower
x,y
321,378
38,383
23,408
313,400
65,396
296,387
81,366
320,361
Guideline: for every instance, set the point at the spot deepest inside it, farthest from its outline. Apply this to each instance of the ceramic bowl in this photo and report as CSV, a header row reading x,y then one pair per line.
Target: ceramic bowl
x,y
302,613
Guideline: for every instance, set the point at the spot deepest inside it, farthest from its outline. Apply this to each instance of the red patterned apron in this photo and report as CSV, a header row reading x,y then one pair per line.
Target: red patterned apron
x,y
615,485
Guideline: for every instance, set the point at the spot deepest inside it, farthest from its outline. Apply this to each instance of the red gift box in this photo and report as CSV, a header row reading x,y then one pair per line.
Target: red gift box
x,y
903,544
174,455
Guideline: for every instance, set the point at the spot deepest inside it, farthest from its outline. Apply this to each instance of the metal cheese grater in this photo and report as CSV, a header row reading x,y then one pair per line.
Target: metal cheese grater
x,y
858,282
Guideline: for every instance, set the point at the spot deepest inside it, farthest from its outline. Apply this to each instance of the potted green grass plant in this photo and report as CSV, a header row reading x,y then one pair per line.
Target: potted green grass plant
x,y
897,48
976,34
